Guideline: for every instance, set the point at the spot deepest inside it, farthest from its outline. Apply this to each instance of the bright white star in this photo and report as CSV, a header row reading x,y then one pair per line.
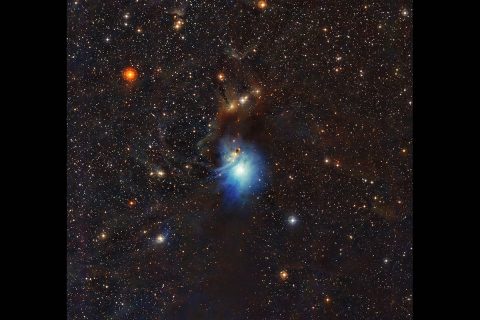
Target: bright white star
x,y
240,169
160,239
292,220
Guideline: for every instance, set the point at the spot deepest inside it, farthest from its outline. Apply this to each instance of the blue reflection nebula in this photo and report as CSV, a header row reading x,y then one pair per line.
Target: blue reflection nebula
x,y
242,169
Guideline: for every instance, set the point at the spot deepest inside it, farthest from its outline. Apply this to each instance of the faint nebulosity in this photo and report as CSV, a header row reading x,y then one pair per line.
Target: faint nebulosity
x,y
239,159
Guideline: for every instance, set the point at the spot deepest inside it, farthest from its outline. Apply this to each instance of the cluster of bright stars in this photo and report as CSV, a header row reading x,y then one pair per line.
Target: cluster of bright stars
x,y
178,23
233,155
329,161
243,99
126,16
158,173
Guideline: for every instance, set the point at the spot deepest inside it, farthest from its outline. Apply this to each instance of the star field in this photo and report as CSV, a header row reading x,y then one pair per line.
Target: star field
x,y
239,159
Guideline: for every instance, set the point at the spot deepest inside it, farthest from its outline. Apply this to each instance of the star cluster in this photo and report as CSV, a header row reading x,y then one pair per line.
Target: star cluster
x,y
239,159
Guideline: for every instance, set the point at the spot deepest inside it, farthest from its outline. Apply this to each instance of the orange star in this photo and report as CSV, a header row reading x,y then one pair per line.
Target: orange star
x,y
130,74
262,4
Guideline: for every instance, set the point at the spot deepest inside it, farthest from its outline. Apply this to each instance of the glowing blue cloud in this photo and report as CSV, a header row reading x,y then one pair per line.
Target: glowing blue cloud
x,y
241,172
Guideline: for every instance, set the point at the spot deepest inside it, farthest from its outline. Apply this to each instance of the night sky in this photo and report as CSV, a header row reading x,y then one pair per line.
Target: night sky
x,y
239,159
